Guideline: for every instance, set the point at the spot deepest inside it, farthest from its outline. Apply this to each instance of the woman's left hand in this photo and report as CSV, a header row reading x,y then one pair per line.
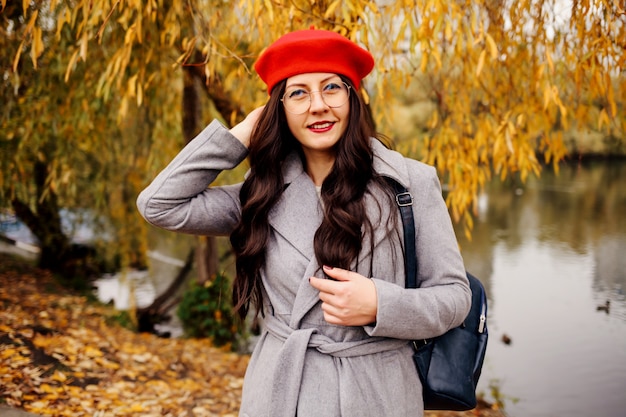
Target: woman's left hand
x,y
349,300
243,130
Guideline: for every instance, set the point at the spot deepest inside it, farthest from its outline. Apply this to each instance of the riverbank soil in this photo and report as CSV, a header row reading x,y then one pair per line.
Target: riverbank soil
x,y
62,355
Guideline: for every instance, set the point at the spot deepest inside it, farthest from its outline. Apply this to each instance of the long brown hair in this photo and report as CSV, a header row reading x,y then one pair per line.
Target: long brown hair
x,y
339,238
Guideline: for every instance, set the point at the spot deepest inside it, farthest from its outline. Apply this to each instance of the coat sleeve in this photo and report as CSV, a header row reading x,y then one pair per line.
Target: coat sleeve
x,y
180,199
444,297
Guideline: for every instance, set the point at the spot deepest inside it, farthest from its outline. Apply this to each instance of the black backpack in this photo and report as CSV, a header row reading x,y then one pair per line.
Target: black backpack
x,y
448,365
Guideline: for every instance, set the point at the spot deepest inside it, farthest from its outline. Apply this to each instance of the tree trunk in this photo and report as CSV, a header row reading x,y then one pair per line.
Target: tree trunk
x,y
45,222
205,252
74,263
206,259
220,98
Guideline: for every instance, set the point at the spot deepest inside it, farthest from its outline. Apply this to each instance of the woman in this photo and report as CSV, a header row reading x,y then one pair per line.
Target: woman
x,y
318,238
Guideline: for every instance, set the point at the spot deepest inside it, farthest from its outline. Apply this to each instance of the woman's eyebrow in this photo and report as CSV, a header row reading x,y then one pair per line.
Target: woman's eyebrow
x,y
297,85
332,77
325,80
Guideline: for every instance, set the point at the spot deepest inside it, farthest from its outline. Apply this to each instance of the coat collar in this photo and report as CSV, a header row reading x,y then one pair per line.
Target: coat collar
x,y
389,163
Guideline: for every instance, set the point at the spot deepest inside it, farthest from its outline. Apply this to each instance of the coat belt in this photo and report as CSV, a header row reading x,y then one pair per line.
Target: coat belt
x,y
290,363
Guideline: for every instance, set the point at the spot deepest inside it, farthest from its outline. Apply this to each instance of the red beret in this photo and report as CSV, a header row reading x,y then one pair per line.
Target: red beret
x,y
313,50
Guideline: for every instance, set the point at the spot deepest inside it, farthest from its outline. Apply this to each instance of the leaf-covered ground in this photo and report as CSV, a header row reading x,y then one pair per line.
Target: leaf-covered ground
x,y
60,355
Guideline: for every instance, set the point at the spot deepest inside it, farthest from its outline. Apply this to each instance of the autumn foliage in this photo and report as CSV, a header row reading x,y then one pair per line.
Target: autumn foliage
x,y
104,92
61,355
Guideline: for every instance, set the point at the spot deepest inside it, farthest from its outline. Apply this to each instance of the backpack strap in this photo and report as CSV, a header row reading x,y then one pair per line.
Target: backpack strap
x,y
404,200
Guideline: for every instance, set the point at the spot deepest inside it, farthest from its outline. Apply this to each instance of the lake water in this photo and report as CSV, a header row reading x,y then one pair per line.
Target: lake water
x,y
549,253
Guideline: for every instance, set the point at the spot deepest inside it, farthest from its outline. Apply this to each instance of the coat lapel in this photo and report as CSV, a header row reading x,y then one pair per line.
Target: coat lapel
x,y
296,217
298,213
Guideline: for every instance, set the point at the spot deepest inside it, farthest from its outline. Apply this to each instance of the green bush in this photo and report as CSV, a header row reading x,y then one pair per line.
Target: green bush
x,y
206,311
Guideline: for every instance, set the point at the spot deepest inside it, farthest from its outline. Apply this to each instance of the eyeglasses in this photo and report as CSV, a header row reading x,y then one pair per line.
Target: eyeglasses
x,y
297,100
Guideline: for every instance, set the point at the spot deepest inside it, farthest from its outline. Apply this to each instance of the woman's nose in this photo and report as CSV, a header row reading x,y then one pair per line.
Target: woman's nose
x,y
317,102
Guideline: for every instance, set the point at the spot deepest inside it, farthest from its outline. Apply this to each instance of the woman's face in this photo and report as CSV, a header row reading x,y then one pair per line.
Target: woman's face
x,y
319,126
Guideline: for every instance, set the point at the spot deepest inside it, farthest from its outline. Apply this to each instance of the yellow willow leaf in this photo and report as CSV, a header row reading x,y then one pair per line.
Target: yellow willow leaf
x,y
610,97
468,234
436,55
25,4
539,74
481,62
509,142
599,83
149,56
448,31
602,119
270,9
63,18
16,60
139,29
547,93
130,34
123,111
331,9
115,69
424,62
132,85
511,129
139,94
478,40
3,3
31,22
563,111
256,9
70,65
36,47
493,48
550,62
524,174
555,95
84,41
581,112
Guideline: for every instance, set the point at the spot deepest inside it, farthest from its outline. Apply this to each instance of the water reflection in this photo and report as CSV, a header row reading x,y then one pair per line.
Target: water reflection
x,y
549,252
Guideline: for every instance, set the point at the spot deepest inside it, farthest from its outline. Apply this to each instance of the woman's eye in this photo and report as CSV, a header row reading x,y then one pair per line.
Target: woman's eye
x,y
297,94
332,87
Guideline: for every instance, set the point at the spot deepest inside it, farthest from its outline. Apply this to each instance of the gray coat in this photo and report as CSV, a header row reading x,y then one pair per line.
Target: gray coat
x,y
302,365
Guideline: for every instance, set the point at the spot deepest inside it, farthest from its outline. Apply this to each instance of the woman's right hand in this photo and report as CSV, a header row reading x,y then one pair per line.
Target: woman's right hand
x,y
243,130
